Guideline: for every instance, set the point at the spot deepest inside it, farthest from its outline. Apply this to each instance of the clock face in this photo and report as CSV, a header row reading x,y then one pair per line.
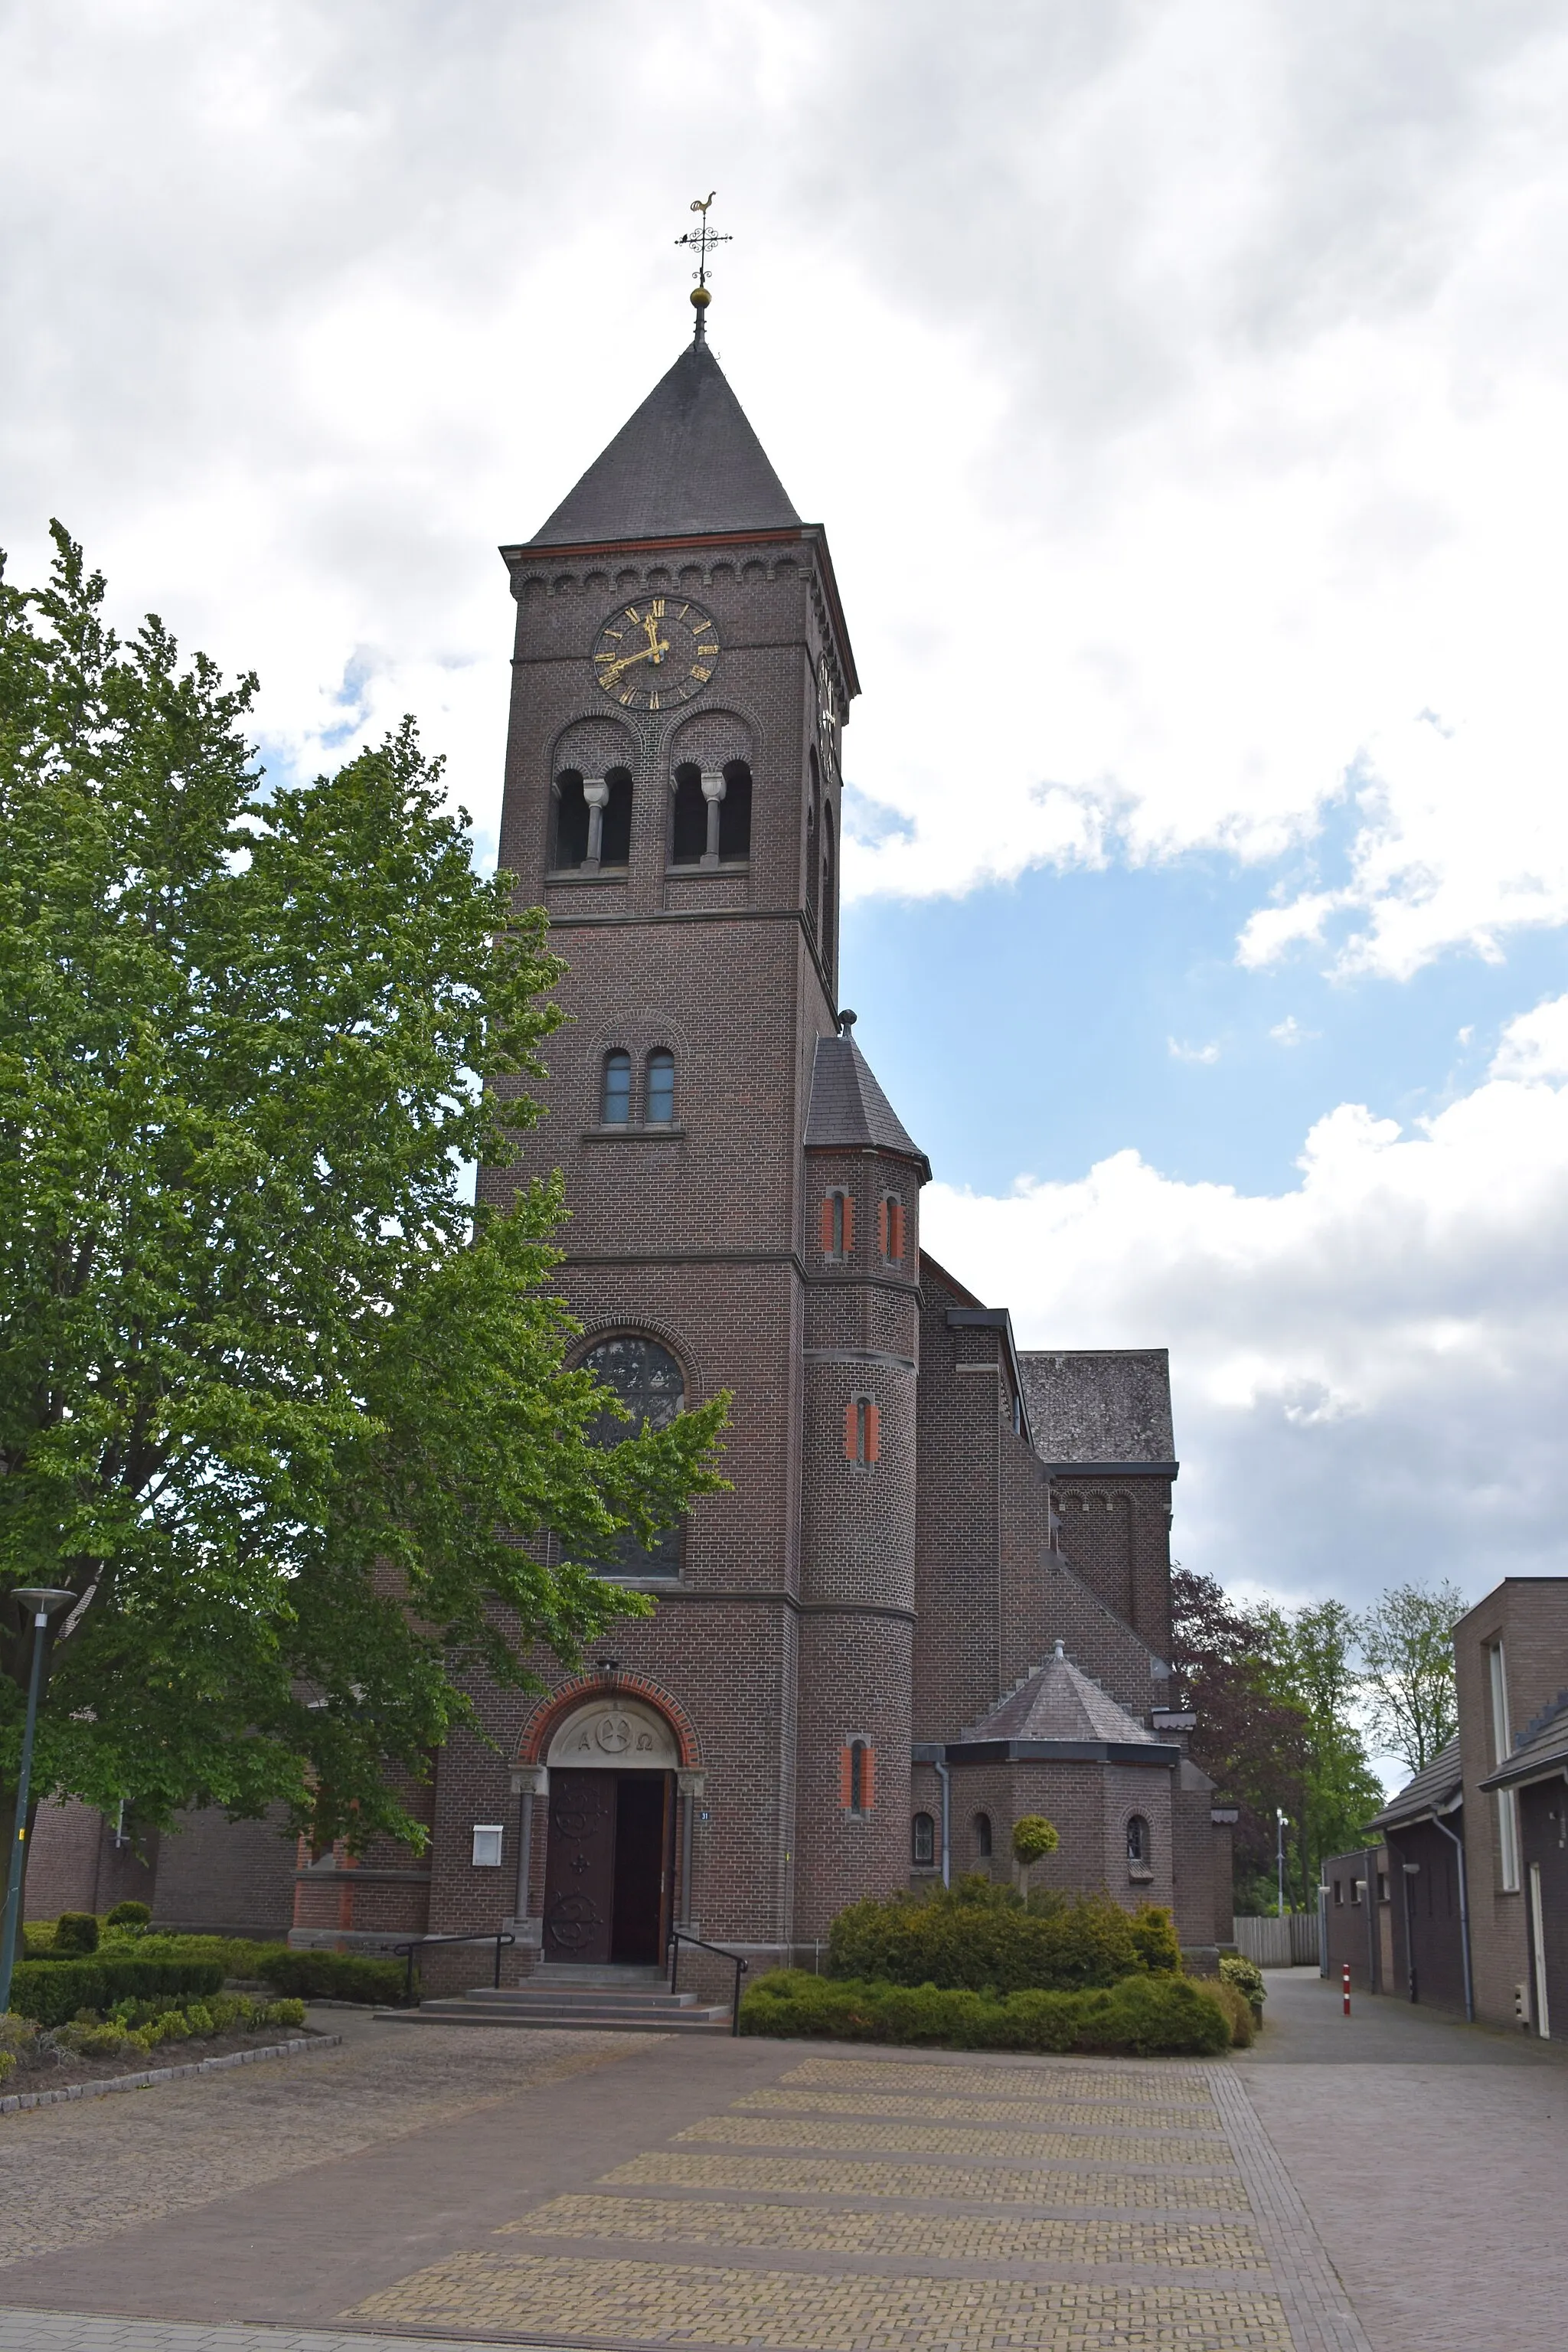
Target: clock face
x,y
657,654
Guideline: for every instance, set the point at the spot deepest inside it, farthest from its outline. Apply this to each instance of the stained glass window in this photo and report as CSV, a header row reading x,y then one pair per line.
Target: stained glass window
x,y
651,1385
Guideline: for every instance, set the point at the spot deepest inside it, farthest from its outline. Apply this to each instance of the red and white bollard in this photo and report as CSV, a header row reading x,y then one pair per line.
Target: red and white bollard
x,y
1346,1980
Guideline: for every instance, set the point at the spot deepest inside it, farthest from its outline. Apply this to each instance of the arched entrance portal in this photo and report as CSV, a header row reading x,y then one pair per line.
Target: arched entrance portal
x,y
609,1859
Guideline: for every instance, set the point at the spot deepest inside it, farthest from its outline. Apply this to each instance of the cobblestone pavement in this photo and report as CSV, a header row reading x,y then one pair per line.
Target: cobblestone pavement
x,y
829,2248
72,2174
618,2193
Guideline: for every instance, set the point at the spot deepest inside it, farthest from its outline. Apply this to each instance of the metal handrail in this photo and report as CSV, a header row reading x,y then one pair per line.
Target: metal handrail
x,y
678,1937
420,1941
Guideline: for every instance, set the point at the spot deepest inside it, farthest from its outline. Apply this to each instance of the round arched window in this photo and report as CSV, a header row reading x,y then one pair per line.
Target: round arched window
x,y
649,1382
1138,1841
923,1841
983,1837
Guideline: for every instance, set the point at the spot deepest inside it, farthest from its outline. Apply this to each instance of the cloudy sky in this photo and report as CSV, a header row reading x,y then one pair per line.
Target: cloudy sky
x,y
1182,383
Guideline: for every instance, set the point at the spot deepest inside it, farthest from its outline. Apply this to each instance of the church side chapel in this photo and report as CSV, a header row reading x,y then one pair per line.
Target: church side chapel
x,y
936,1597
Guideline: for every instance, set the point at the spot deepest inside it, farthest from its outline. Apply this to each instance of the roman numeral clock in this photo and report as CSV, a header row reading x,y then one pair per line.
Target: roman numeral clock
x,y
656,656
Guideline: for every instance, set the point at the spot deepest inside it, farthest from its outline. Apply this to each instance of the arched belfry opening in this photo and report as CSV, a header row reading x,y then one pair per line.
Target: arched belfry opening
x,y
612,1834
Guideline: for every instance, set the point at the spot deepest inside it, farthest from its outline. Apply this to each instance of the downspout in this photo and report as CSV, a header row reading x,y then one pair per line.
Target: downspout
x,y
1458,1843
945,1778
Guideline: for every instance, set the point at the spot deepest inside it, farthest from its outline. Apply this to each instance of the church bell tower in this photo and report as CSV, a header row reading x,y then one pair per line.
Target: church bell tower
x,y
681,677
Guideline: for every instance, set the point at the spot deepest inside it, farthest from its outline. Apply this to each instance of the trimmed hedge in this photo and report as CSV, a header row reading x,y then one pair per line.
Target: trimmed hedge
x,y
984,1939
52,1991
334,1976
1144,2016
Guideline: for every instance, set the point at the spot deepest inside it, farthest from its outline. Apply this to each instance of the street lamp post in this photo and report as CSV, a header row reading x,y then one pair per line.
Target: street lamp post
x,y
1280,1837
41,1601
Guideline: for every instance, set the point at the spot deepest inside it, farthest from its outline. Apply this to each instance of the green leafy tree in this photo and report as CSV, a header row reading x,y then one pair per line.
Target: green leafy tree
x,y
1407,1649
1309,1663
282,1411
1032,1838
1252,1736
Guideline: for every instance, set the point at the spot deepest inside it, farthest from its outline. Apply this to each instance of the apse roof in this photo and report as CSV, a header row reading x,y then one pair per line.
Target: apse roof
x,y
687,462
848,1108
1059,1701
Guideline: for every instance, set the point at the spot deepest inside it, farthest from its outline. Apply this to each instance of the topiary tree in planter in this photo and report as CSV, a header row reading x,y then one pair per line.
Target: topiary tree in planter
x,y
1032,1838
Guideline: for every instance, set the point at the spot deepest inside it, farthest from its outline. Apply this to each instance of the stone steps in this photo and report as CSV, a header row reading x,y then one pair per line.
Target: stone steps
x,y
598,2007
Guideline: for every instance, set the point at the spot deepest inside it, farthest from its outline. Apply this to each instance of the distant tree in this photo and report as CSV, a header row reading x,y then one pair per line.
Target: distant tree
x,y
1250,1739
1310,1656
1407,1650
275,1405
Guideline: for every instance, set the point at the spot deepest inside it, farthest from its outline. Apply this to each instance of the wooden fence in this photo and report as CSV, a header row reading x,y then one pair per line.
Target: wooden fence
x,y
1291,1942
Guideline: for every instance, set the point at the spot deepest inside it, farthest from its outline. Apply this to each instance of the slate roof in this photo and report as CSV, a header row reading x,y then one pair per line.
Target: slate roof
x,y
685,462
1433,1791
1541,1748
849,1110
1100,1404
1059,1701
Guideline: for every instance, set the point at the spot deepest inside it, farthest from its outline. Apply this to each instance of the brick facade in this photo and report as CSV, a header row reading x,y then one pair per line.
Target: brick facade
x,y
900,1544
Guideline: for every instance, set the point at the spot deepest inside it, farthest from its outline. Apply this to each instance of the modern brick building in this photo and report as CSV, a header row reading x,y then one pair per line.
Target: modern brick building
x,y
1465,1904
937,1595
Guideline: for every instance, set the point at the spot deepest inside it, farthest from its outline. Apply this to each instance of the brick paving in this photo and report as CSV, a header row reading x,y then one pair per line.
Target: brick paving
x,y
580,2191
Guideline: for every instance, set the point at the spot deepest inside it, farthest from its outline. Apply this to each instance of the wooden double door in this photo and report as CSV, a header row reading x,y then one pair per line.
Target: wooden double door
x,y
609,1866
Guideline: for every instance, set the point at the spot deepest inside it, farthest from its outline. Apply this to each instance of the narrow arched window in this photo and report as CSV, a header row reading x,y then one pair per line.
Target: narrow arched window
x,y
837,1224
569,846
616,1099
983,1837
1138,1841
616,833
660,1091
688,826
829,907
856,1776
735,812
862,1431
890,1228
923,1841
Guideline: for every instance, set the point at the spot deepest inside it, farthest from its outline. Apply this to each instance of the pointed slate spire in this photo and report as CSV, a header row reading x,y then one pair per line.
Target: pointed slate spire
x,y
848,1110
687,462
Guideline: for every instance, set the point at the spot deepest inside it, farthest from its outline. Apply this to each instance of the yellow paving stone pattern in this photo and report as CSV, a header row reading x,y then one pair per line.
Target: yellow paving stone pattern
x,y
867,2207
911,2139
995,2184
940,2237
1031,2080
688,2303
1064,2112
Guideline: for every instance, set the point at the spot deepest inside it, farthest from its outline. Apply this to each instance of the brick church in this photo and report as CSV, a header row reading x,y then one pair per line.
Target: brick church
x,y
937,1595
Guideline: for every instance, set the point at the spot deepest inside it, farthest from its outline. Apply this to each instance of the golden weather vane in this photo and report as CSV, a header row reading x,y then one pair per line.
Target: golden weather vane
x,y
701,240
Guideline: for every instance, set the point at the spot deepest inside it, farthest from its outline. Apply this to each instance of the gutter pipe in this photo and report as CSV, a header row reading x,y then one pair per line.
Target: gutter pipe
x,y
945,1778
1458,1843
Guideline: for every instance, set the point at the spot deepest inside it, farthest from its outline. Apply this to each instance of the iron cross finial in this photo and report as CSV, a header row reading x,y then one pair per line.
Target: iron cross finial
x,y
701,240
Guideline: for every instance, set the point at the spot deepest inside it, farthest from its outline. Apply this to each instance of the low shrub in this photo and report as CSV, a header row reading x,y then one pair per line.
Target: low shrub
x,y
1239,2010
135,2026
129,1914
1246,1977
333,1976
52,1991
1143,2015
982,1937
239,1955
76,1936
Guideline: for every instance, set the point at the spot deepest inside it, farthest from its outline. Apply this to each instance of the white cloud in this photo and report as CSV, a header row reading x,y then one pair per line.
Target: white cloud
x,y
1182,387
1184,1052
1370,1371
1290,1031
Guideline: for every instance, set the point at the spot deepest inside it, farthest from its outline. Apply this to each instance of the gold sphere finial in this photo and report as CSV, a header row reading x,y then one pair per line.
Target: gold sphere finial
x,y
701,298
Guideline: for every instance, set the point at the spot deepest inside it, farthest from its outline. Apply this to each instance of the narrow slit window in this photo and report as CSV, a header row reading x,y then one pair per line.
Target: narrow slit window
x,y
982,1836
890,1228
862,1431
837,1225
1138,1841
923,1841
660,1088
615,1104
856,1776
